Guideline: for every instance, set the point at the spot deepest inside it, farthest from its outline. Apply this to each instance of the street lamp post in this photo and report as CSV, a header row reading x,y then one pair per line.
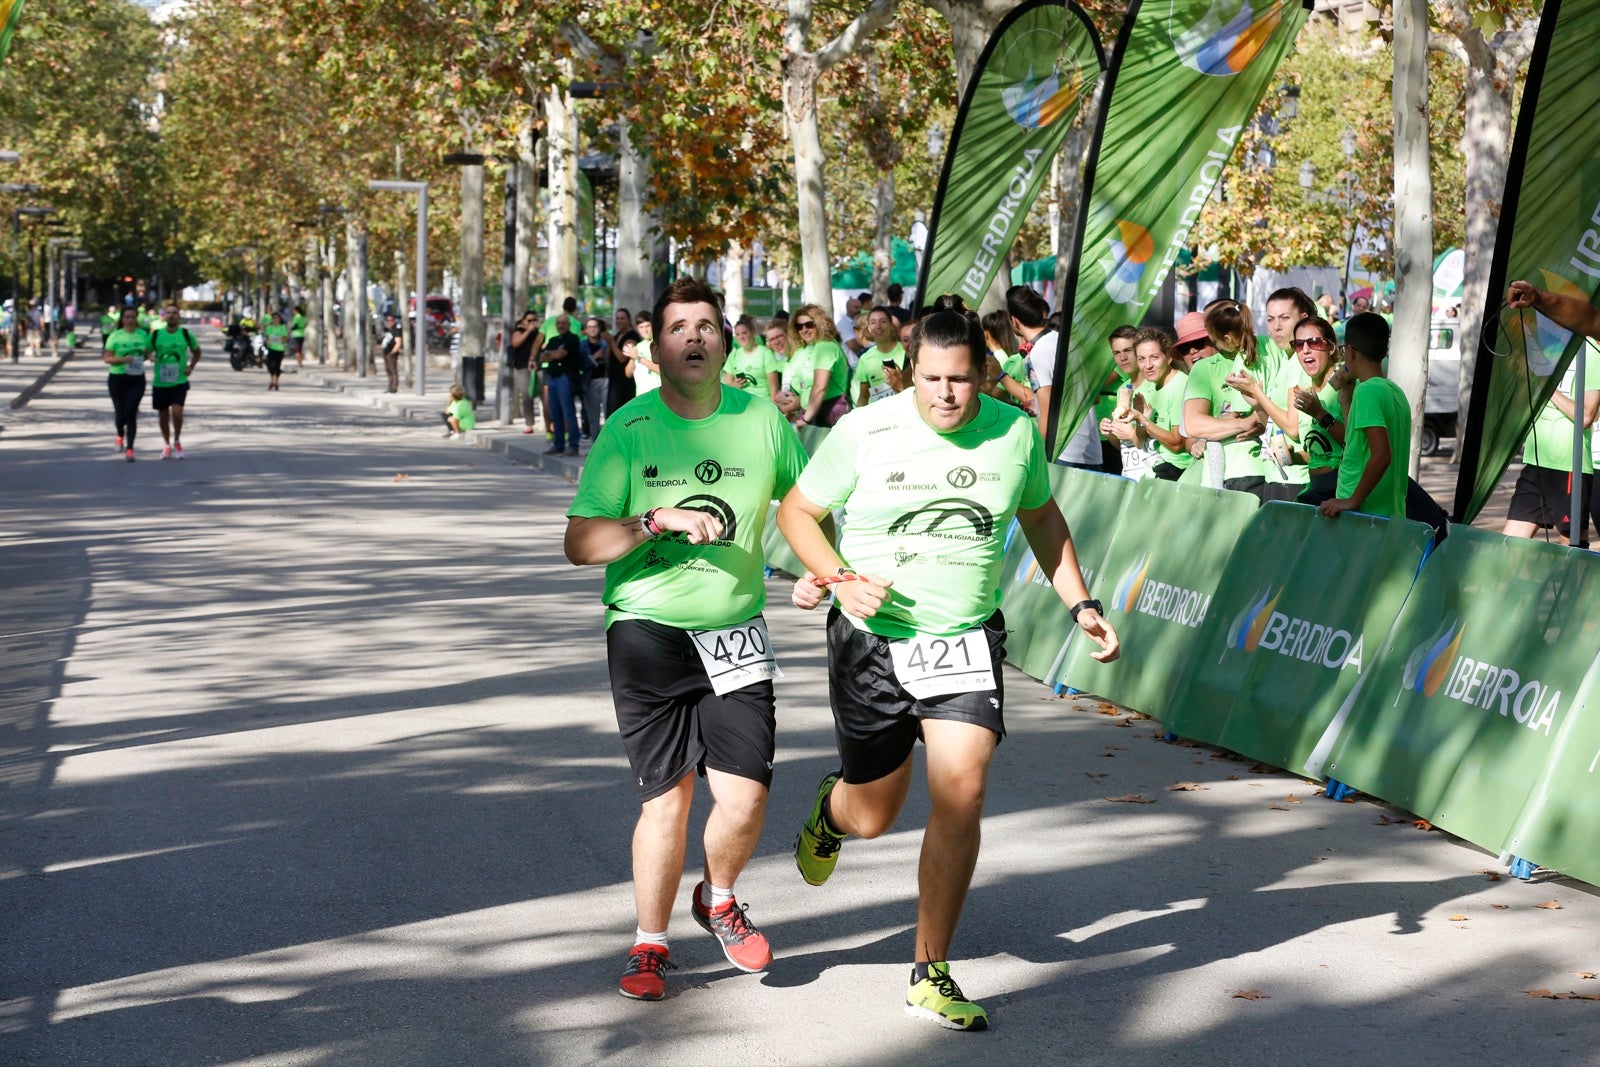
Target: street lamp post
x,y
16,296
420,317
1347,144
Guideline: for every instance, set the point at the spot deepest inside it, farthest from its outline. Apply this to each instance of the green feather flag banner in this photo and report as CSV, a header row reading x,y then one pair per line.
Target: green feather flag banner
x,y
10,14
1186,78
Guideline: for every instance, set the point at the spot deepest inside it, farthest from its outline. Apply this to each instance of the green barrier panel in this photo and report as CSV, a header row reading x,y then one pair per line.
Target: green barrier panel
x,y
775,550
1294,630
1166,560
1561,822
1037,622
1476,691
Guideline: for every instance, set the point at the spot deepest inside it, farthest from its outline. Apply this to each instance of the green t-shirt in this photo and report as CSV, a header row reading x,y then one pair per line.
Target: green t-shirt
x,y
731,464
1166,411
297,326
824,355
108,323
869,372
170,354
132,343
1105,404
928,510
1208,382
274,336
1549,443
750,367
1377,402
464,415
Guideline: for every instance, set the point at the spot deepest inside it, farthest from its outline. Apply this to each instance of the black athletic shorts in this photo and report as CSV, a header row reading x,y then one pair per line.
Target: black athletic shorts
x,y
876,721
1544,497
166,396
672,722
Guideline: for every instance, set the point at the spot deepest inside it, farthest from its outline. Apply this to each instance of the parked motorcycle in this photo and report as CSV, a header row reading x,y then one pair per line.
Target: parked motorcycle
x,y
245,347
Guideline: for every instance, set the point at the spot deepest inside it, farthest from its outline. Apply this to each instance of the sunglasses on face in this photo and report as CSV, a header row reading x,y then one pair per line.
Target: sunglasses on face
x,y
805,325
1192,346
1317,343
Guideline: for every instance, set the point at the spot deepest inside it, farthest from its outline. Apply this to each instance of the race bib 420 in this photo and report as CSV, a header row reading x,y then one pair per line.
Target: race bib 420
x,y
929,667
736,656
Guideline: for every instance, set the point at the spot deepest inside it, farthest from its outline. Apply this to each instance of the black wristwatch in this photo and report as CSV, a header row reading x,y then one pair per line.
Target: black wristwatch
x,y
1081,605
1326,421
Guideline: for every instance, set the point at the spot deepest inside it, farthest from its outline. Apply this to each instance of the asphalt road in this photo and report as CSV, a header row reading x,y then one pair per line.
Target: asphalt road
x,y
307,756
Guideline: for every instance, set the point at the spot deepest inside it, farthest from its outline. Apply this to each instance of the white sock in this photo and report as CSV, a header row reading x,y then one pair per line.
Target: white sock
x,y
711,896
642,938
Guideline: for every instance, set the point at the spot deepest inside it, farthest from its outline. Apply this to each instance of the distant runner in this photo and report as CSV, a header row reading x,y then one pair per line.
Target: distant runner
x,y
172,346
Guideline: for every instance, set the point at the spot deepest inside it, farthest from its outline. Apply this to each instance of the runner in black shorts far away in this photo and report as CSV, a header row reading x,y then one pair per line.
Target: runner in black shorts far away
x,y
171,349
930,479
672,500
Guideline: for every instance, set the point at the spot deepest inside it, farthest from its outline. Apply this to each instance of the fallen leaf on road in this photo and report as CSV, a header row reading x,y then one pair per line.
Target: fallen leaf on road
x,y
1547,995
1138,715
1233,777
1291,800
1109,755
400,477
1422,824
1457,918
1104,708
1124,722
1586,974
1261,768
1499,907
1549,905
1131,798
1250,994
1277,807
1490,874
1185,787
1095,774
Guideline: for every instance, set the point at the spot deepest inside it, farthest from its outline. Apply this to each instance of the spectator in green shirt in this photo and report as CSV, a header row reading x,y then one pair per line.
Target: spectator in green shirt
x,y
1377,447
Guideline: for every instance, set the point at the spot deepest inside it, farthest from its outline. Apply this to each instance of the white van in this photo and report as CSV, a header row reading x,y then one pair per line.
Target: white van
x,y
1444,382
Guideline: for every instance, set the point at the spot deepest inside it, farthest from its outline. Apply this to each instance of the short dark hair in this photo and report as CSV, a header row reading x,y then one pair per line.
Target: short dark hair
x,y
1027,306
1368,334
569,305
895,293
950,329
997,324
685,290
1125,333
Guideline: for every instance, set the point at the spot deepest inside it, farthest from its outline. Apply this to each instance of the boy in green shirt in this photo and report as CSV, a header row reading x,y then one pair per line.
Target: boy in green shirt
x,y
459,418
1377,447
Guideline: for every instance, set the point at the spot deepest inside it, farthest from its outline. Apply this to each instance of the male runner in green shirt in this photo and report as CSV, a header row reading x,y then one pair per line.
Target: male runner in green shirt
x,y
930,479
672,501
171,349
1377,444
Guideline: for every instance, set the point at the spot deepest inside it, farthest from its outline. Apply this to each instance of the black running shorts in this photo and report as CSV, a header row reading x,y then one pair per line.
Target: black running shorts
x,y
166,396
672,722
1544,497
876,721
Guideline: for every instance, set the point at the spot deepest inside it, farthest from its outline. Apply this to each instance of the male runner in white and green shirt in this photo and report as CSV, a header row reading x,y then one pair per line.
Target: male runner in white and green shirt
x,y
930,479
672,501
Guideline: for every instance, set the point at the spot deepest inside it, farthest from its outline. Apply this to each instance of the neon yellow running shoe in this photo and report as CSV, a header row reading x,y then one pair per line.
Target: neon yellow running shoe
x,y
937,997
817,848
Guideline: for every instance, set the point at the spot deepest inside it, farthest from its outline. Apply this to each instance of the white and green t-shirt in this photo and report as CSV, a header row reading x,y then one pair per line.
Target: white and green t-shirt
x,y
644,379
869,372
1549,442
170,356
1208,382
749,368
928,510
135,344
731,464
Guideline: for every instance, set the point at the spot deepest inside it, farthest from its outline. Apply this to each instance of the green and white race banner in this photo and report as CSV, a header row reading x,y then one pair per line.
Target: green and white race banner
x,y
1549,235
1038,68
1475,716
10,15
1185,79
